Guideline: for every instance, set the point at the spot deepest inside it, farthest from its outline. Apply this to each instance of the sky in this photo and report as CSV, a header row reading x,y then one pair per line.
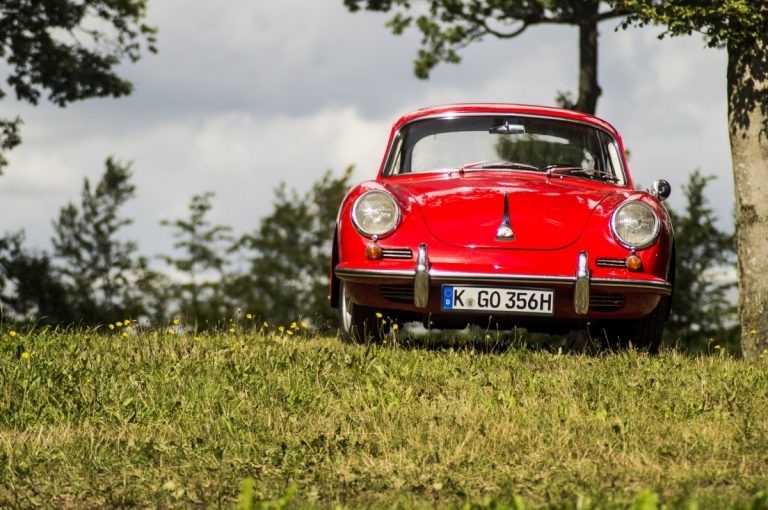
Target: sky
x,y
245,95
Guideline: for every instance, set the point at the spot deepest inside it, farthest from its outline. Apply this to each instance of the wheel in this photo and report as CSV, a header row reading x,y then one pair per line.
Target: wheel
x,y
644,333
358,323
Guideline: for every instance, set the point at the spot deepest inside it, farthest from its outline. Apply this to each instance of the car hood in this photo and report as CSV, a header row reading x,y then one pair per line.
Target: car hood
x,y
467,210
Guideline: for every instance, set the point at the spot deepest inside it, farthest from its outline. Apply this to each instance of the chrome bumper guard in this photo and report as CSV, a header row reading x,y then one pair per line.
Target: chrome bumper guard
x,y
581,288
421,278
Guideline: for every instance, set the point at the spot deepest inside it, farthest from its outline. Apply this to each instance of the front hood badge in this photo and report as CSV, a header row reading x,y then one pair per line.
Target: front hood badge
x,y
504,232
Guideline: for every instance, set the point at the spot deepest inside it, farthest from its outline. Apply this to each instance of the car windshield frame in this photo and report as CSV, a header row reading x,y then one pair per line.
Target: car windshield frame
x,y
551,133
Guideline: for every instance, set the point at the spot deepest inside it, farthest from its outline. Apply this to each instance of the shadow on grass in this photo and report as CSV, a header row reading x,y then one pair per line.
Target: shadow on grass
x,y
498,341
477,339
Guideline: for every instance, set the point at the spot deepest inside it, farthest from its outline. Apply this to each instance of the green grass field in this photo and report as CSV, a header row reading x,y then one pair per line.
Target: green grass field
x,y
166,420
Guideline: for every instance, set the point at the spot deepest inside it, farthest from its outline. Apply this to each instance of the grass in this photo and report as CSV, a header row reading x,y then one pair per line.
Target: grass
x,y
165,420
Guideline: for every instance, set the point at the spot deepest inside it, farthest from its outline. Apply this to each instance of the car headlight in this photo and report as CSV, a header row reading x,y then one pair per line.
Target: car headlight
x,y
635,224
375,213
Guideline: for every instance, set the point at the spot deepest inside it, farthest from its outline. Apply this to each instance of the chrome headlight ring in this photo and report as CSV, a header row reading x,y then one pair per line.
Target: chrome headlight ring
x,y
375,213
635,224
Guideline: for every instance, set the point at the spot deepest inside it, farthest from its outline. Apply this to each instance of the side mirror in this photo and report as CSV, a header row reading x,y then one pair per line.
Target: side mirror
x,y
660,189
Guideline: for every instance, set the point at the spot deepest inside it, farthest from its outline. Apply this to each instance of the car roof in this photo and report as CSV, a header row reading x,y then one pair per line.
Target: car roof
x,y
491,108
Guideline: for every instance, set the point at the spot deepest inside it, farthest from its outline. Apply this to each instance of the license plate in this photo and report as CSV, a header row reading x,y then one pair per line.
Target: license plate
x,y
497,299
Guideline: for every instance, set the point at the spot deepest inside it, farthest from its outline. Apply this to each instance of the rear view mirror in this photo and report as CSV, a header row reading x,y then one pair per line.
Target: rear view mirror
x,y
660,189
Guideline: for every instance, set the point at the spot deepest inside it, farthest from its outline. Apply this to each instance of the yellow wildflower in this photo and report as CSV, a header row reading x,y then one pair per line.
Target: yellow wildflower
x,y
281,329
25,355
127,321
395,327
717,346
12,333
111,326
753,332
125,333
249,316
378,315
289,332
304,324
171,332
176,321
294,325
231,330
266,324
119,324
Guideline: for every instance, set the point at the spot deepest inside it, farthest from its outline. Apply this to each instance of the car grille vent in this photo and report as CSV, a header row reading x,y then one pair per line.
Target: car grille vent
x,y
396,253
397,293
621,263
606,302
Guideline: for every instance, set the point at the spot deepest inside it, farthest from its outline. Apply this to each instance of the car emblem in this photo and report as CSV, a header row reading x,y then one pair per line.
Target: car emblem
x,y
504,232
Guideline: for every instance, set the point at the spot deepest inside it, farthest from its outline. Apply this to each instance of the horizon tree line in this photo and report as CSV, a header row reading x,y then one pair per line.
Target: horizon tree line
x,y
277,272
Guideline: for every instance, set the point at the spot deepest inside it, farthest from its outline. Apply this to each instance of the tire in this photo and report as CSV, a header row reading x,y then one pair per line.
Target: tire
x,y
359,323
644,333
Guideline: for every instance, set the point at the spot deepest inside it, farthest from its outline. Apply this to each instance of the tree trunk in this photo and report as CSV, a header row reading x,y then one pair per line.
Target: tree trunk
x,y
748,128
589,89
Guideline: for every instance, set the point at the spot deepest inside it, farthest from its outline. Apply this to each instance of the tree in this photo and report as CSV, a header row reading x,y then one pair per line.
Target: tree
x,y
202,245
101,269
451,25
69,49
29,285
700,307
740,26
288,257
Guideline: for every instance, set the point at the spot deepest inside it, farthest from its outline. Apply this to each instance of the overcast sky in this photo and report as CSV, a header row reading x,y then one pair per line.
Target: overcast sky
x,y
244,95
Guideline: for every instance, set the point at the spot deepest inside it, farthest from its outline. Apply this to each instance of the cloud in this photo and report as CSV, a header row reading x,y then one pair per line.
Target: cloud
x,y
241,157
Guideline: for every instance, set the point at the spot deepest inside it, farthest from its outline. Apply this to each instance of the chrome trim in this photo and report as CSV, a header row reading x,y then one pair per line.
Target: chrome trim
x,y
453,115
396,253
421,278
665,287
445,276
398,215
612,263
449,276
348,274
581,288
504,232
657,228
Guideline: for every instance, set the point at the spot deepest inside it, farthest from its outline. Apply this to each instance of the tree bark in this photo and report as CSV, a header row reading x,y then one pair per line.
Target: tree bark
x,y
589,89
747,84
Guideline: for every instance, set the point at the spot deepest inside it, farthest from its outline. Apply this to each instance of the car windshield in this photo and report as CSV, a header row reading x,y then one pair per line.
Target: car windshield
x,y
506,142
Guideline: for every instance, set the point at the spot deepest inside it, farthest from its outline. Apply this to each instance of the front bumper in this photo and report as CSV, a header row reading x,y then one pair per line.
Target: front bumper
x,y
574,292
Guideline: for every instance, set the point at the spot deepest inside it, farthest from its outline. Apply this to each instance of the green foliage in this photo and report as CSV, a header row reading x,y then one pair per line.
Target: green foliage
x,y
157,420
701,310
448,26
722,22
68,49
288,257
199,298
100,268
29,286
9,138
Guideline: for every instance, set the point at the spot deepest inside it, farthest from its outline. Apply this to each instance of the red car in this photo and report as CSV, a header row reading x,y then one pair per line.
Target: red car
x,y
505,215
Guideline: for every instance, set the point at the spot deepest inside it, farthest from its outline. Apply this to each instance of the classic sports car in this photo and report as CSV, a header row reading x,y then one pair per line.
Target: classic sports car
x,y
502,215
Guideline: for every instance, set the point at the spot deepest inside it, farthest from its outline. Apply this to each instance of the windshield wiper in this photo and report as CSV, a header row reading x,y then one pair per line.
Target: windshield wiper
x,y
592,173
497,164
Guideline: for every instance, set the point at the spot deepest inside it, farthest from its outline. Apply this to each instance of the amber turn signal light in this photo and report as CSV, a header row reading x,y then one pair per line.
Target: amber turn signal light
x,y
634,263
373,251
